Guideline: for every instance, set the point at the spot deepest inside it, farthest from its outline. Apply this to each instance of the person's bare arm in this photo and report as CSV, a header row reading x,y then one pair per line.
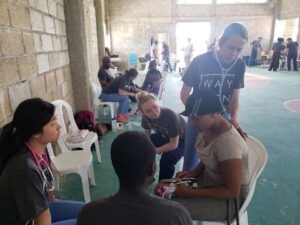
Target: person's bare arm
x,y
172,145
125,93
147,131
103,83
232,175
185,92
44,218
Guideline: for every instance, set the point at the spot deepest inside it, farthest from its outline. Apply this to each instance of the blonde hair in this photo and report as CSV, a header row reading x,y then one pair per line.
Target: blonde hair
x,y
143,97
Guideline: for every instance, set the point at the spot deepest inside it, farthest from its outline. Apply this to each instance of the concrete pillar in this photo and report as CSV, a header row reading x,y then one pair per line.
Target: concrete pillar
x,y
100,17
78,51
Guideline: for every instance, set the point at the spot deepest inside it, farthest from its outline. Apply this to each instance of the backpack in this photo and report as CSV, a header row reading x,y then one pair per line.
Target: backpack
x,y
85,120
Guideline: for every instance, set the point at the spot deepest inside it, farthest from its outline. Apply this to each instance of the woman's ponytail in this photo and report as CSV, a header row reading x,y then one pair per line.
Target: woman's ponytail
x,y
8,144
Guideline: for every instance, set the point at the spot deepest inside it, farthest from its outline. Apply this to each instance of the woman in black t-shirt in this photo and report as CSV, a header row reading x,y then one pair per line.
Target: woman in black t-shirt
x,y
26,181
168,136
221,71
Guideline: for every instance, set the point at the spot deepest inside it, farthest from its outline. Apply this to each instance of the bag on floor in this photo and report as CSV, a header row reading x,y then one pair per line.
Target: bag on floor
x,y
101,129
85,120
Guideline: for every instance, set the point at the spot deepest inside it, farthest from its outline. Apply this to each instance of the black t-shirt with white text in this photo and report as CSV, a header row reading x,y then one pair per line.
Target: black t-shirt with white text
x,y
205,73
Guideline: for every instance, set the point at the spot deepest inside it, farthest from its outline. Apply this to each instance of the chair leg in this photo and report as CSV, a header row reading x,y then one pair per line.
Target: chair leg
x,y
244,218
92,175
85,185
56,177
98,151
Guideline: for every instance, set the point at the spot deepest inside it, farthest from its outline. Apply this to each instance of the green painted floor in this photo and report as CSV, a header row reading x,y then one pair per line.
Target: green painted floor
x,y
277,197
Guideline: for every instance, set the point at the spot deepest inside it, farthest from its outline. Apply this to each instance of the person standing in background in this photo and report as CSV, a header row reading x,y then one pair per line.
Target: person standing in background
x,y
153,50
277,48
188,53
166,56
255,46
292,47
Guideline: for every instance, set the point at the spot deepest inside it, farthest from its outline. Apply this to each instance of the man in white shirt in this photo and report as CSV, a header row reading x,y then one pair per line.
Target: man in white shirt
x,y
188,52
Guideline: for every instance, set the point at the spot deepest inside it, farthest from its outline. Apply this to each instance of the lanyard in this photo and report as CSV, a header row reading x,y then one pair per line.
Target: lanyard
x,y
42,160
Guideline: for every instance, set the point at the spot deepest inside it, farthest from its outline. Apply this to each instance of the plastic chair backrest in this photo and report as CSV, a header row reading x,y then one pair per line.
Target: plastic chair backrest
x,y
257,159
59,106
50,151
96,90
161,89
132,58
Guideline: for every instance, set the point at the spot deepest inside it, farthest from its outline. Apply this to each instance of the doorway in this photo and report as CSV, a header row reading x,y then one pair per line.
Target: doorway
x,y
200,34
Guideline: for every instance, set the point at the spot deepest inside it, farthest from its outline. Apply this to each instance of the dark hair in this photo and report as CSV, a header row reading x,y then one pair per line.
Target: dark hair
x,y
152,65
231,29
131,72
289,39
280,39
106,62
29,118
155,72
132,156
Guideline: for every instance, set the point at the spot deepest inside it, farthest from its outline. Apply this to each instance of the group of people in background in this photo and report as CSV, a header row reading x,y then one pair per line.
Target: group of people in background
x,y
287,52
210,93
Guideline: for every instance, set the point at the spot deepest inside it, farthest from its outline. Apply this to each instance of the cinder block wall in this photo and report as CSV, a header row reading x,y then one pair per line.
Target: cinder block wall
x,y
34,58
133,22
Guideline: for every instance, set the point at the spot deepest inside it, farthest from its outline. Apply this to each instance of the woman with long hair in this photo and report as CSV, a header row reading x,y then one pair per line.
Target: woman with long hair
x,y
26,180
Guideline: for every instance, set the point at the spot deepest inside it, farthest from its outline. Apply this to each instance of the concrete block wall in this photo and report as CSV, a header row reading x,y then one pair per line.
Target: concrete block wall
x,y
134,22
83,49
34,58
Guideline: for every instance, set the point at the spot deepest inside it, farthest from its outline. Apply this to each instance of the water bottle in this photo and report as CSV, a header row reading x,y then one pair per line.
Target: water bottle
x,y
105,110
114,124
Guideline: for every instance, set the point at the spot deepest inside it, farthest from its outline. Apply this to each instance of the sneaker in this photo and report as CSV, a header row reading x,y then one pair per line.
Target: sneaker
x,y
126,116
121,119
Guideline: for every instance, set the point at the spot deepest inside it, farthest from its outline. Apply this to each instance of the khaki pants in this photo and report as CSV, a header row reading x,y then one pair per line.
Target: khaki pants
x,y
187,61
208,209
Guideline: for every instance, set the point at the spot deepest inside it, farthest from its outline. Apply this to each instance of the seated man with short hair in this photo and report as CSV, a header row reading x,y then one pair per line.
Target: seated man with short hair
x,y
133,159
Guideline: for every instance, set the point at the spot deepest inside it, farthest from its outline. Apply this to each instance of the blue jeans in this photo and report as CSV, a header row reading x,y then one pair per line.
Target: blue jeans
x,y
168,159
64,212
253,56
191,158
123,101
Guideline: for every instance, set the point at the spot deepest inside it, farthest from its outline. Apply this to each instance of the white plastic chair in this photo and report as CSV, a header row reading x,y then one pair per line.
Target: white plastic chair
x,y
160,96
88,141
96,90
257,159
67,162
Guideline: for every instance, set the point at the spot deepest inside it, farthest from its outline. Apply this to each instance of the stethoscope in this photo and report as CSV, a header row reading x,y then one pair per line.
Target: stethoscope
x,y
224,72
38,159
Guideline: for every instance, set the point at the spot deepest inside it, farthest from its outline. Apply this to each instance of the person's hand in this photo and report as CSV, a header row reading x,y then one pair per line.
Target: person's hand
x,y
138,89
157,188
186,174
51,196
236,124
132,94
181,191
157,150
